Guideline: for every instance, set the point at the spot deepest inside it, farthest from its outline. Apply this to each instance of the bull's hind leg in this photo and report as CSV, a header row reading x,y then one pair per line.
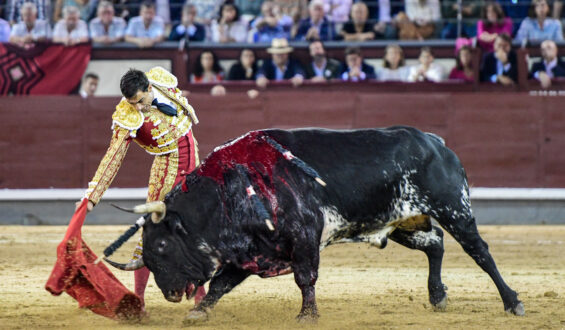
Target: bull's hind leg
x,y
465,232
431,243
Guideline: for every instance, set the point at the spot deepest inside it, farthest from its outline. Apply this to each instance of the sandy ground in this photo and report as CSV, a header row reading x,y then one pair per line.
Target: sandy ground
x,y
359,287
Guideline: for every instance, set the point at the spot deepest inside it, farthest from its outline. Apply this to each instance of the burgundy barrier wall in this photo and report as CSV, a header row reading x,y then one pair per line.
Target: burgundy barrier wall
x,y
503,139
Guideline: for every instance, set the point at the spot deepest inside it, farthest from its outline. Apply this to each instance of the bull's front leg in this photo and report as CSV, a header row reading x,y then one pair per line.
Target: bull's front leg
x,y
227,279
305,266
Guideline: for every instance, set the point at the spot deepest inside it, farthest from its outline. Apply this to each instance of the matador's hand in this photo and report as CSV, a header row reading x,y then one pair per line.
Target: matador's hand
x,y
89,206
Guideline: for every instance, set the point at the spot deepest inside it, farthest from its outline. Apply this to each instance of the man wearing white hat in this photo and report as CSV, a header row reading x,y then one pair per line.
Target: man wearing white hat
x,y
280,67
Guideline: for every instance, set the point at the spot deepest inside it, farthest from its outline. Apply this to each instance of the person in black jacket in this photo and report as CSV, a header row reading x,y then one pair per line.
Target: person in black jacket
x,y
356,68
245,68
281,66
500,66
549,66
188,28
321,68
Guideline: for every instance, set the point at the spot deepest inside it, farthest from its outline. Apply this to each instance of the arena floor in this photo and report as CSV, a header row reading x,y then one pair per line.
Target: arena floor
x,y
359,287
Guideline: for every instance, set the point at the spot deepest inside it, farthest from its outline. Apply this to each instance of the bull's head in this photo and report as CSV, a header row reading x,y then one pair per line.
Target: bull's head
x,y
178,244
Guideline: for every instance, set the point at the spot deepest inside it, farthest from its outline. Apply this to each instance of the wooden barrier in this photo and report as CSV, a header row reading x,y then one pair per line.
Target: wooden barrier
x,y
503,139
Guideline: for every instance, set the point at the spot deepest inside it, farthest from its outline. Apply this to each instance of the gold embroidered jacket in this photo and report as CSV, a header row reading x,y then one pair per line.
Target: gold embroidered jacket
x,y
154,131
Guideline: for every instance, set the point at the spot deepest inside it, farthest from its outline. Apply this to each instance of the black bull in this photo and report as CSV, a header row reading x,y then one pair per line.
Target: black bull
x,y
381,183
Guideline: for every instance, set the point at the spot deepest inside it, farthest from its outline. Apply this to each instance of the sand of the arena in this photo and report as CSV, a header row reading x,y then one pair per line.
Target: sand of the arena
x,y
359,287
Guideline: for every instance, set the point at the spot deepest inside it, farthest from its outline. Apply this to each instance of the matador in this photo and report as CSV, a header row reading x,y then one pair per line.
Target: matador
x,y
155,115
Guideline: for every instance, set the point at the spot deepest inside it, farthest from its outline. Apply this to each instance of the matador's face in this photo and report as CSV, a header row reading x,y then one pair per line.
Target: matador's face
x,y
142,100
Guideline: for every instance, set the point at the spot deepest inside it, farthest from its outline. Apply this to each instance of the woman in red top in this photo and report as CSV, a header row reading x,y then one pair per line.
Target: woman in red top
x,y
493,23
207,69
463,70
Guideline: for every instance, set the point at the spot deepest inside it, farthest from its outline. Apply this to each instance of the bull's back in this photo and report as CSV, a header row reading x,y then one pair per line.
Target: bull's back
x,y
364,167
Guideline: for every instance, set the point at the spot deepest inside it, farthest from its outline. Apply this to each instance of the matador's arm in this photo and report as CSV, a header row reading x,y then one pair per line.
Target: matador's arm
x,y
109,165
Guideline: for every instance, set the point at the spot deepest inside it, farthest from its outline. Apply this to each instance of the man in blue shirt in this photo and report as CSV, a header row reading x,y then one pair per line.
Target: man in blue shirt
x,y
317,26
107,28
30,29
146,29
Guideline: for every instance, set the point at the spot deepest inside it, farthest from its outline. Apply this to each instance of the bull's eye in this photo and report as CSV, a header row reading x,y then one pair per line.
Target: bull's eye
x,y
161,247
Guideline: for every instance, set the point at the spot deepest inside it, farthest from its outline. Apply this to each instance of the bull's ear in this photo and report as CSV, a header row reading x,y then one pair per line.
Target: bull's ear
x,y
177,226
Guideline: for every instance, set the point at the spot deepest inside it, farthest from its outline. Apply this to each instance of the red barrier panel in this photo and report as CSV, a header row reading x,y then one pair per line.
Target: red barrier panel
x,y
503,139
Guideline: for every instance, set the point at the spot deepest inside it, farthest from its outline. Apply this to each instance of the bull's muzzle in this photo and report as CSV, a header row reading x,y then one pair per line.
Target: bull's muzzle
x,y
132,265
157,209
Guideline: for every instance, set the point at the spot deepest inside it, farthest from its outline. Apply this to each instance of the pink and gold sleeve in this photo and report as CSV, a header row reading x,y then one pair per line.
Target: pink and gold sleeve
x,y
109,165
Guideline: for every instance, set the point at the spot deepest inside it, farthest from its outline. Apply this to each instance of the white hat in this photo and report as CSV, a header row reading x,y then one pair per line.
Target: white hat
x,y
279,46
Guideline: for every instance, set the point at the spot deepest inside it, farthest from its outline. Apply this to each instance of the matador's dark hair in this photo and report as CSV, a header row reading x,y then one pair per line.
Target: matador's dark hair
x,y
133,81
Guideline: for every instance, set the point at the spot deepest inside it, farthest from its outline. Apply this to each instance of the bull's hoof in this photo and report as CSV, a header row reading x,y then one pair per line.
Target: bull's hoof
x,y
517,310
441,305
195,317
307,318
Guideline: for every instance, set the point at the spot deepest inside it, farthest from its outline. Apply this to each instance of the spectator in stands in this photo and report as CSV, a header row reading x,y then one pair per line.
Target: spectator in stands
x,y
385,27
207,10
539,25
358,28
15,6
176,7
337,11
493,23
394,68
4,30
146,29
500,66
516,10
30,29
163,10
463,69
321,68
188,28
356,69
86,8
297,9
427,70
89,85
317,26
420,20
246,67
549,66
280,66
471,12
207,68
71,29
558,11
229,27
249,8
272,23
127,9
107,28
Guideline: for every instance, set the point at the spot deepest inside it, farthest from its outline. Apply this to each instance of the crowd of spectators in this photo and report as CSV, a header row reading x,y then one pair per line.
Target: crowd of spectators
x,y
237,21
145,23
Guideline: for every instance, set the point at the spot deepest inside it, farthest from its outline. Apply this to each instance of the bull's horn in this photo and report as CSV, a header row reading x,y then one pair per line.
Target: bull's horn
x,y
158,210
132,265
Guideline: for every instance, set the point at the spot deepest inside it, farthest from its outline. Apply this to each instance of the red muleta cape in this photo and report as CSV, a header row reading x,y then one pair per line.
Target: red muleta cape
x,y
93,286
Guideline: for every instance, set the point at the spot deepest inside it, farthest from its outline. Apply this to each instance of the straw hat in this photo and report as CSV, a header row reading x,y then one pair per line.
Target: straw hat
x,y
279,46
